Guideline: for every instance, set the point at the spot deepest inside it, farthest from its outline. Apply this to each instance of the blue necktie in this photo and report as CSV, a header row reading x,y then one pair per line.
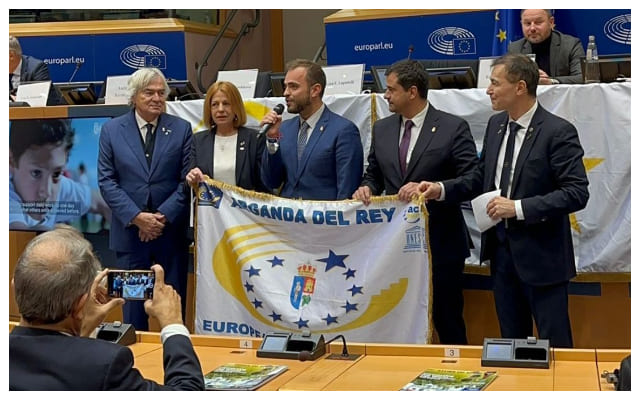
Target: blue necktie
x,y
302,138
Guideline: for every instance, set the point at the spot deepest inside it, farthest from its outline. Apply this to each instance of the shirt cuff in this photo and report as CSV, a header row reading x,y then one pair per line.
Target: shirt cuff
x,y
441,198
173,329
519,212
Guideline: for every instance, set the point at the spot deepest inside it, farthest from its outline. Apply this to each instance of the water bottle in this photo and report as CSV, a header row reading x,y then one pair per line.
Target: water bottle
x,y
591,65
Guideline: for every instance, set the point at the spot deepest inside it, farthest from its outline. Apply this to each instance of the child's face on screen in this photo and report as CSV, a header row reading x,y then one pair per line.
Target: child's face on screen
x,y
36,175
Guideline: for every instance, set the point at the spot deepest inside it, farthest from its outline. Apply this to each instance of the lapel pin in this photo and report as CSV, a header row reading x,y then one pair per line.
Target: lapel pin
x,y
166,131
433,129
322,128
242,145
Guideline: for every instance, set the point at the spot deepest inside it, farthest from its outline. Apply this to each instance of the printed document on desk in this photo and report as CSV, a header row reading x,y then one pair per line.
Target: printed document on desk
x,y
241,376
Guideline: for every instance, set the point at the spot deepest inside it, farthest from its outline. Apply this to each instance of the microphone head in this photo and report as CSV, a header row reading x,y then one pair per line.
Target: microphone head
x,y
304,355
279,108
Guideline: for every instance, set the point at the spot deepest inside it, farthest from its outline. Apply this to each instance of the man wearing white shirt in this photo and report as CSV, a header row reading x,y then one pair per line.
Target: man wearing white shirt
x,y
535,159
420,142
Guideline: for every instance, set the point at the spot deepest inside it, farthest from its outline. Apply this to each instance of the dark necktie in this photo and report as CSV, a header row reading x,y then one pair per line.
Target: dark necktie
x,y
148,143
507,164
404,146
10,82
302,138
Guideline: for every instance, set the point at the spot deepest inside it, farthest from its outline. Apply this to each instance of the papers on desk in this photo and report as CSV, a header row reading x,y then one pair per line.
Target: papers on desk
x,y
479,205
444,379
241,376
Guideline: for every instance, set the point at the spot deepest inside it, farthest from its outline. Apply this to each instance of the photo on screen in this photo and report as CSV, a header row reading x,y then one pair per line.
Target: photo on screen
x,y
53,174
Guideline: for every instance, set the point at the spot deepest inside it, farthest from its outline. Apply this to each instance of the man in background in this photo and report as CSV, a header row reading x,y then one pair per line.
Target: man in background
x,y
557,55
420,142
142,163
61,302
318,155
23,68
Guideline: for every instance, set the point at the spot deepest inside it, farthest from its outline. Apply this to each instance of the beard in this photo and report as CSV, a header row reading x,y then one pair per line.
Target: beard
x,y
298,105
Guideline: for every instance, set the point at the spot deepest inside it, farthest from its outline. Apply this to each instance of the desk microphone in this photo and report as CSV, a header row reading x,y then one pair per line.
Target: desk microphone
x,y
279,108
305,355
78,65
410,52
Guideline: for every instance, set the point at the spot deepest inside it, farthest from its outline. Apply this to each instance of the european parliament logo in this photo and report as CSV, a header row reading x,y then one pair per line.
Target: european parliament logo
x,y
144,55
209,195
452,41
618,29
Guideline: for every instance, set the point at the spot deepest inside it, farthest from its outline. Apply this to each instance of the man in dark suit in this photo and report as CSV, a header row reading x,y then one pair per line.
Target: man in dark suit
x,y
23,68
557,55
142,163
61,302
535,159
317,156
420,142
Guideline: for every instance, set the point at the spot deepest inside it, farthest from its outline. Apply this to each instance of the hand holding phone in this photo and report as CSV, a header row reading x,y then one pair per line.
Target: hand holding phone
x,y
131,284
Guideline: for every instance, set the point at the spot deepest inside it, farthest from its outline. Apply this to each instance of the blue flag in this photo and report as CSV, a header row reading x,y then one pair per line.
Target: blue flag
x,y
506,29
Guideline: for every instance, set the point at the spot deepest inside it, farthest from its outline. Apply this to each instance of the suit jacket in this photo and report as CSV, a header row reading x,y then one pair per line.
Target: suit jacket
x,y
564,56
444,150
331,164
551,182
248,156
33,70
128,184
41,359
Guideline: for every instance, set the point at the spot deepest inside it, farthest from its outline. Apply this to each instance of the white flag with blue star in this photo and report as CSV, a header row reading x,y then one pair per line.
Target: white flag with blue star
x,y
268,264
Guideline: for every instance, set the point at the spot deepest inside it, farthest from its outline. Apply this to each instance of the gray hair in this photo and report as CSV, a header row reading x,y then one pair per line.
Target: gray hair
x,y
54,271
141,79
14,45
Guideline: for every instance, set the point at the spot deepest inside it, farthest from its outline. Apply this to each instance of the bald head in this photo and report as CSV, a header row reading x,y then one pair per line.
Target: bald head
x,y
55,269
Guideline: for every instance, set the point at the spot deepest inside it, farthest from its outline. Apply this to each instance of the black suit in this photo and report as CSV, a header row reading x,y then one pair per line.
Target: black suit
x,y
249,151
537,256
41,359
33,70
444,150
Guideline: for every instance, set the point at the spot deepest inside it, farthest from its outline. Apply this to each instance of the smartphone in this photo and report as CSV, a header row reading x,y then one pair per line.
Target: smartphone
x,y
131,284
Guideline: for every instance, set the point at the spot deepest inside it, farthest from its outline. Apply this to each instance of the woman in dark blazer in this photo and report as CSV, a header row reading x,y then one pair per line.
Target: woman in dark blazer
x,y
227,151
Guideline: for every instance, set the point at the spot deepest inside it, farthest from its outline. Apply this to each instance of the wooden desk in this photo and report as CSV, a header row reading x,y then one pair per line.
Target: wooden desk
x,y
575,369
608,360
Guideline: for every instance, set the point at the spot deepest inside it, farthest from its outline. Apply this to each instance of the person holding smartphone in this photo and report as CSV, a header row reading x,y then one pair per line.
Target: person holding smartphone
x,y
61,298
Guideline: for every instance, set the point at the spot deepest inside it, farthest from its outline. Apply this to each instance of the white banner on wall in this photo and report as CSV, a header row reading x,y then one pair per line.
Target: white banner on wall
x,y
268,264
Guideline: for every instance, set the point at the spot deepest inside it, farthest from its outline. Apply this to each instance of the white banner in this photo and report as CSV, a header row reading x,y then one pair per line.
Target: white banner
x,y
269,264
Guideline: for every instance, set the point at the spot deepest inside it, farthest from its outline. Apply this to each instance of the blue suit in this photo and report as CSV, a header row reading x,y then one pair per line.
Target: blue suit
x,y
129,185
330,167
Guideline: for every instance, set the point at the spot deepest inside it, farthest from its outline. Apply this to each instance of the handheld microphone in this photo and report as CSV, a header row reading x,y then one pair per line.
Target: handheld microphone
x,y
78,65
279,108
410,52
306,355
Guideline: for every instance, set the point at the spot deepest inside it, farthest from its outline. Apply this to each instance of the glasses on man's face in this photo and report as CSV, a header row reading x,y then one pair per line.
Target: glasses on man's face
x,y
151,93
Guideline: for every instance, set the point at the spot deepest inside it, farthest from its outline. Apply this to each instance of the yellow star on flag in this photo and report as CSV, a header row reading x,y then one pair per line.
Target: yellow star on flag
x,y
502,35
589,164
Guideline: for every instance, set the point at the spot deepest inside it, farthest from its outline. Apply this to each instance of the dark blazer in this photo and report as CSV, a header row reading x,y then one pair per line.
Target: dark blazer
x,y
550,180
444,150
41,359
564,56
127,182
33,70
331,164
248,156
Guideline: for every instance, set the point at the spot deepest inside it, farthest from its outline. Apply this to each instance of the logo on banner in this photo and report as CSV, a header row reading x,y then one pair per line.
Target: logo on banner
x,y
414,240
144,55
411,214
281,291
209,195
303,285
452,41
618,29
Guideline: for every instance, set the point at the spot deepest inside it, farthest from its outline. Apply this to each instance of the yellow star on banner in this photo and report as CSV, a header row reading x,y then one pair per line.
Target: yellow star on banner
x,y
589,164
502,35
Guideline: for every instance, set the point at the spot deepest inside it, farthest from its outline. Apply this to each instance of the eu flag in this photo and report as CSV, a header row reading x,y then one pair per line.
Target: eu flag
x,y
506,29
